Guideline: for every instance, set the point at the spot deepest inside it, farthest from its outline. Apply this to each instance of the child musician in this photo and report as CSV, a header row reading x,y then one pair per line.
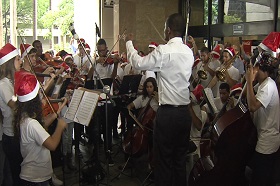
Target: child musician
x,y
9,63
35,141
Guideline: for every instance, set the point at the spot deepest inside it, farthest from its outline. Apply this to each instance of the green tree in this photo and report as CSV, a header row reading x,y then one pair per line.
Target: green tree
x,y
214,11
232,19
60,18
25,12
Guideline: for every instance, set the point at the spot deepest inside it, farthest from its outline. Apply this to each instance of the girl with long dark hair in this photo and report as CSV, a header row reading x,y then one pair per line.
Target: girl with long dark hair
x,y
35,141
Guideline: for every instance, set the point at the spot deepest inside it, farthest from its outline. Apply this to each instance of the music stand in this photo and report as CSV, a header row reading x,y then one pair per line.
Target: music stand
x,y
130,84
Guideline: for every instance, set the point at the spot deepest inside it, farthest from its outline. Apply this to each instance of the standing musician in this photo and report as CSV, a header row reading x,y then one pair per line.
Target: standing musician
x,y
29,50
208,64
231,73
173,62
10,62
265,108
81,60
35,142
108,69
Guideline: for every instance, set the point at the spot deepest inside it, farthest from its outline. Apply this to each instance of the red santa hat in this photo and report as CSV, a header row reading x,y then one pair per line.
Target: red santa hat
x,y
26,86
7,52
153,45
67,56
87,47
25,49
236,88
196,61
81,40
197,94
230,51
216,52
271,43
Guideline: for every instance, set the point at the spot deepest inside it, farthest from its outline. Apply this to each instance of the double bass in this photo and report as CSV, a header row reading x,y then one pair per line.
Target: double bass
x,y
235,137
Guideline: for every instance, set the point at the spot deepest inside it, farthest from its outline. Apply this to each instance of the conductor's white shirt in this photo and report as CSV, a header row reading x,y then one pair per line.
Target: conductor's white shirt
x,y
173,62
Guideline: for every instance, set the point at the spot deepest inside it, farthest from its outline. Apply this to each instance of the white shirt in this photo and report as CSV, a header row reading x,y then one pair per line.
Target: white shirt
x,y
195,134
6,93
213,65
104,71
147,75
37,164
266,118
233,73
219,104
83,64
139,102
173,62
127,69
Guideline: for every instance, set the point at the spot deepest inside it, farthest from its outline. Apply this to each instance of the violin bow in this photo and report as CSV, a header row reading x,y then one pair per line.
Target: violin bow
x,y
188,19
33,72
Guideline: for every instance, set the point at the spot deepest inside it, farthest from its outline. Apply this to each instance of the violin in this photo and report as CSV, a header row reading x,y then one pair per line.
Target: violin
x,y
46,108
52,61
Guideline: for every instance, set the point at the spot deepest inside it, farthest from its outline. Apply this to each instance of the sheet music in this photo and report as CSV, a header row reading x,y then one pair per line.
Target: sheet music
x,y
74,104
86,108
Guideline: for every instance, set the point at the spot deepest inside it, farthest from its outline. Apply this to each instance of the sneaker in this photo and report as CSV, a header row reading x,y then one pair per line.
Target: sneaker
x,y
56,181
110,161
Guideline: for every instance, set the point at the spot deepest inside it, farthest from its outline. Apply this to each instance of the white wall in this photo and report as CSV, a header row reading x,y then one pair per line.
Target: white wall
x,y
86,14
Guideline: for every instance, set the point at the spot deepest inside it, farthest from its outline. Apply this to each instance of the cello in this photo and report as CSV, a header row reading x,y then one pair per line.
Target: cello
x,y
136,141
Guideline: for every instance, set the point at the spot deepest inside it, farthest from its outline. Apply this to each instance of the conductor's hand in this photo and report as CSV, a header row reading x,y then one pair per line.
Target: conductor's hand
x,y
129,37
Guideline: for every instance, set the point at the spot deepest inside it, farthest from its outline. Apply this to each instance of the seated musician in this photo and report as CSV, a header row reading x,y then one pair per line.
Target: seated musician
x,y
35,142
224,98
149,96
231,74
150,92
265,108
199,118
